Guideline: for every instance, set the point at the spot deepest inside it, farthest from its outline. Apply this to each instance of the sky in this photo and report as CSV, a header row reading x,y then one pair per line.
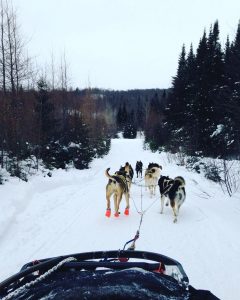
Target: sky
x,y
120,44
65,213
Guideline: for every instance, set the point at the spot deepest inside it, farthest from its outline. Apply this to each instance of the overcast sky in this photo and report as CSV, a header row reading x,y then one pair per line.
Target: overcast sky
x,y
121,44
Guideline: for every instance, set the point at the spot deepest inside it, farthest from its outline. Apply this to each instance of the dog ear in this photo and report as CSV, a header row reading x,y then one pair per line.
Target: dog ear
x,y
160,167
108,169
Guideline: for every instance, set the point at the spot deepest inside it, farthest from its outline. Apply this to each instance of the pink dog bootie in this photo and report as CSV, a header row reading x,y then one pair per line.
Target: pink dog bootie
x,y
126,212
108,213
116,214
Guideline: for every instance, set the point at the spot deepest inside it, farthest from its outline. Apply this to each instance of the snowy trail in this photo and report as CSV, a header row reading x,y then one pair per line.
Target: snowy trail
x,y
64,214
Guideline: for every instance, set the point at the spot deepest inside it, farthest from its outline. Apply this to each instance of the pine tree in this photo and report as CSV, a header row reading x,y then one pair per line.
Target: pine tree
x,y
130,128
177,102
119,120
154,131
235,57
44,109
210,74
140,116
188,125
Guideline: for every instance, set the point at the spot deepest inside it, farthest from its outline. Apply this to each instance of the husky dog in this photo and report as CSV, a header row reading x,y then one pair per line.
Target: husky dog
x,y
117,185
138,168
152,174
173,190
129,173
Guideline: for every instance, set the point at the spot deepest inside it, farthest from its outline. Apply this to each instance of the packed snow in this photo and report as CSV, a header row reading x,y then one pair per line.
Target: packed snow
x,y
65,213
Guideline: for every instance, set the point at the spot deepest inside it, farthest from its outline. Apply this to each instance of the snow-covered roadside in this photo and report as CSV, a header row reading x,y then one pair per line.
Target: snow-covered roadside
x,y
64,214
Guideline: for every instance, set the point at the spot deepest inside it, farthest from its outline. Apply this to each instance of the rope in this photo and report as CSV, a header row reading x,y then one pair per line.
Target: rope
x,y
141,213
40,278
143,185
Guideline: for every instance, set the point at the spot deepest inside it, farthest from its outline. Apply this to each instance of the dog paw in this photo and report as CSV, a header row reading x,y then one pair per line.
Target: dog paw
x,y
126,212
175,221
108,213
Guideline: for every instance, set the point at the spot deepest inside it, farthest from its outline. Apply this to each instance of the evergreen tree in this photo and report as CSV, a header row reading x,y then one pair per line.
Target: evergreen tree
x,y
188,122
119,120
46,123
122,117
130,128
154,131
140,116
79,145
210,74
45,113
235,57
177,102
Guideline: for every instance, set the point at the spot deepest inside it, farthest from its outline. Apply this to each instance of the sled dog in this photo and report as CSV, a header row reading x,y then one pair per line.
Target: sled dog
x,y
138,168
151,176
173,190
129,173
117,186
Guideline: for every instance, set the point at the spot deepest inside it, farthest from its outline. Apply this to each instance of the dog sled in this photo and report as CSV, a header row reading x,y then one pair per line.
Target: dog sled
x,y
103,275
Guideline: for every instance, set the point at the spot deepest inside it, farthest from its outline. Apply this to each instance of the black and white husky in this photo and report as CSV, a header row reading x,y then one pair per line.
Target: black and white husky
x,y
173,190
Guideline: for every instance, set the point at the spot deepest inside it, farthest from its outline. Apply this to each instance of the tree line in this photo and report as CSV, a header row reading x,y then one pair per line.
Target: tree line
x,y
45,122
42,121
201,116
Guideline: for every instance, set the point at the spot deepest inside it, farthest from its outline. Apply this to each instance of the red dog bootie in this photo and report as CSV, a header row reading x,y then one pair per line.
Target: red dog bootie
x,y
108,212
116,214
126,212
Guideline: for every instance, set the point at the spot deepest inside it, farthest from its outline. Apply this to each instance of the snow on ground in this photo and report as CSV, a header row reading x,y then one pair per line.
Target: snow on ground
x,y
65,214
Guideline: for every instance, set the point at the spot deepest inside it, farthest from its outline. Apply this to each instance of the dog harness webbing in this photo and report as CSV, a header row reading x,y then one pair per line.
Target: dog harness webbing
x,y
121,179
167,187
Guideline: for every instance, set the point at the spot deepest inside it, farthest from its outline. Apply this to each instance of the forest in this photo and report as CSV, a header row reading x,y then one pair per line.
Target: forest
x,y
45,121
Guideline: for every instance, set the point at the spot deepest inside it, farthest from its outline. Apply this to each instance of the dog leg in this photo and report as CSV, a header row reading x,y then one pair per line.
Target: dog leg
x,y
118,200
108,210
154,186
116,205
126,212
150,190
162,203
167,203
175,212
154,190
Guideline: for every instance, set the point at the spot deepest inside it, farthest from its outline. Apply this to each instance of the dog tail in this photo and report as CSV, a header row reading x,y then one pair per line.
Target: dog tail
x,y
108,175
180,180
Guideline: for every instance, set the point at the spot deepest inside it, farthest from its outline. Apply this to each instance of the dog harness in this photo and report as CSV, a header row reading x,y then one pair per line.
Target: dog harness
x,y
122,180
166,186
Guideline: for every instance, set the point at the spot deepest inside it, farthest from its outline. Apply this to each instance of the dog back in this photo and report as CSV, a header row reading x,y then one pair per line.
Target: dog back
x,y
165,184
177,186
120,178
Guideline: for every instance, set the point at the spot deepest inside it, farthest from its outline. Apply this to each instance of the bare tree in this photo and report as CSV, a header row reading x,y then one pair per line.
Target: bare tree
x,y
10,49
52,71
64,76
3,58
14,63
231,176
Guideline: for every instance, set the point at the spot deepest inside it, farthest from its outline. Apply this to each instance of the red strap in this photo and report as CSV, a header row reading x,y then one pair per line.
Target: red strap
x,y
161,268
123,259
